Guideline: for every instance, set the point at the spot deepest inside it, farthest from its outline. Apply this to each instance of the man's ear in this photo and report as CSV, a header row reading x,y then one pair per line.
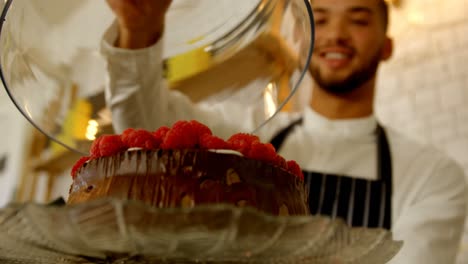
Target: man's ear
x,y
387,50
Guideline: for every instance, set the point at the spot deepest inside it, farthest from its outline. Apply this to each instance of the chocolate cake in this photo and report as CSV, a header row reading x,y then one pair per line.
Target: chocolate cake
x,y
164,176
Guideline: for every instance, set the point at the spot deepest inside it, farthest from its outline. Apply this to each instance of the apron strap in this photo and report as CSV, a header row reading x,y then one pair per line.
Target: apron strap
x,y
384,170
384,160
279,139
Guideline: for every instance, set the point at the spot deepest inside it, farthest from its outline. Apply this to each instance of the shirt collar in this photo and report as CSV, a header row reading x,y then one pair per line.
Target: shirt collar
x,y
339,128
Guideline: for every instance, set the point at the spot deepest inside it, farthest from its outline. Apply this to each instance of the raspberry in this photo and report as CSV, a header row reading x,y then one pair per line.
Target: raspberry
x,y
126,136
294,168
249,138
180,136
208,141
241,142
94,150
78,165
160,134
106,145
281,162
264,152
143,139
139,139
110,145
199,128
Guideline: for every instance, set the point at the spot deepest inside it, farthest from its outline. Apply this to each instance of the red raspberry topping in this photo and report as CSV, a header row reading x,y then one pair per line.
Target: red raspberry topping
x,y
184,135
212,142
281,162
126,136
241,142
139,139
199,128
106,145
264,152
294,168
110,145
94,150
160,134
180,136
78,165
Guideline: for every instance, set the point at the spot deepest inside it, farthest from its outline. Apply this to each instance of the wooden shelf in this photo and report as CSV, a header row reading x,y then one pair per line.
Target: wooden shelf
x,y
56,163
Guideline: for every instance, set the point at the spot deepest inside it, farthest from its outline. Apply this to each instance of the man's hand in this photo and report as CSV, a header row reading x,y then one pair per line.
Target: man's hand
x,y
141,22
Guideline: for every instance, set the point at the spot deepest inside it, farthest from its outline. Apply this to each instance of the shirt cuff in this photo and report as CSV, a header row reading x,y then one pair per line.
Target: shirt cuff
x,y
115,54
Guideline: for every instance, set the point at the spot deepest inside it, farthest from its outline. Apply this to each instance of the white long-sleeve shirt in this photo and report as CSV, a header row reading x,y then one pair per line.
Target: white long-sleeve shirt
x,y
429,189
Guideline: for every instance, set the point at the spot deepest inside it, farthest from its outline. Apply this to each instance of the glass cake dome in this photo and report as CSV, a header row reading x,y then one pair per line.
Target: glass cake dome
x,y
254,52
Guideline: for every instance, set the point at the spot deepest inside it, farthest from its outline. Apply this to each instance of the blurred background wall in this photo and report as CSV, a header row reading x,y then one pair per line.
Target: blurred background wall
x,y
423,89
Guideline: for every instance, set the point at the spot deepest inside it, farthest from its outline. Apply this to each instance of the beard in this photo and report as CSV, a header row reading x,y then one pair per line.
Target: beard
x,y
355,80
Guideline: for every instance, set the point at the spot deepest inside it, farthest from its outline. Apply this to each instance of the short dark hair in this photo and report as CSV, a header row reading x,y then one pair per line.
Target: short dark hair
x,y
384,8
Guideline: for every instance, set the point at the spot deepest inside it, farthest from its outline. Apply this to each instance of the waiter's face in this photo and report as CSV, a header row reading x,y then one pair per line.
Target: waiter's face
x,y
351,41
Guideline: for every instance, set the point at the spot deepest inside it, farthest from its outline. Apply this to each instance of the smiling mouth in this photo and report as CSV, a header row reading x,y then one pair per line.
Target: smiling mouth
x,y
335,55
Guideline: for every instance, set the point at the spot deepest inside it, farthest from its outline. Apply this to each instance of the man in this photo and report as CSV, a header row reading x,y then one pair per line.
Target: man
x,y
356,169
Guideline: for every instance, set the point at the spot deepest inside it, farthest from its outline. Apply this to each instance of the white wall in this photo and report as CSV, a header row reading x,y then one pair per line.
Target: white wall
x,y
14,142
423,90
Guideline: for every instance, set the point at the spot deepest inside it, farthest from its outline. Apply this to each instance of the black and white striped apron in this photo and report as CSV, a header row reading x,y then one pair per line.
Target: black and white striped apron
x,y
361,203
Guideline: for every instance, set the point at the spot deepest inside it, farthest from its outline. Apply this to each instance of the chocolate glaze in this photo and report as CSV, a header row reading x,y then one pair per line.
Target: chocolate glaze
x,y
185,178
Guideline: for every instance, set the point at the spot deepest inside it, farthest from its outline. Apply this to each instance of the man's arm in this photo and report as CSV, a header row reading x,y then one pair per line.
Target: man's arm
x,y
133,50
432,224
136,91
132,86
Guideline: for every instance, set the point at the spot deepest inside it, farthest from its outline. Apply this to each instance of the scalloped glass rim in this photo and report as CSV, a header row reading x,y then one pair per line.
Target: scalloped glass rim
x,y
5,5
115,229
